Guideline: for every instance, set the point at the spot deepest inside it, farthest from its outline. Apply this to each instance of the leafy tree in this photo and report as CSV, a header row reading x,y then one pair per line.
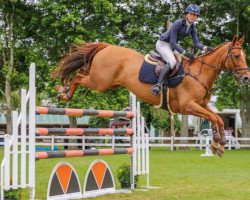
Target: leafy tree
x,y
13,43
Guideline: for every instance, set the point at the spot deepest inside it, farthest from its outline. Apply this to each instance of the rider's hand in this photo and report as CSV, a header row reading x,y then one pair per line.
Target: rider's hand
x,y
190,56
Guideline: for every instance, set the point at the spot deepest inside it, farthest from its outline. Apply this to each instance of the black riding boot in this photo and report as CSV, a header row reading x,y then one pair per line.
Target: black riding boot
x,y
156,89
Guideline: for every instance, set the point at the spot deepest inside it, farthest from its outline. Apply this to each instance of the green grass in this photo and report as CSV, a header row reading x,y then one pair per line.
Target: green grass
x,y
183,175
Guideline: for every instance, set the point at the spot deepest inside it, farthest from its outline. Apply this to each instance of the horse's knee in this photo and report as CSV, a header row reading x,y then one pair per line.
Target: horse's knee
x,y
213,119
220,122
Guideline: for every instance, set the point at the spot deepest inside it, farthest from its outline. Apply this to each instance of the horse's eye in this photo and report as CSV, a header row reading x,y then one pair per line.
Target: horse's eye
x,y
236,56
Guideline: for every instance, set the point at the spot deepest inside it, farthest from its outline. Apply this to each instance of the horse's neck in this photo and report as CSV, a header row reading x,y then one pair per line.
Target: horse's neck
x,y
212,66
217,57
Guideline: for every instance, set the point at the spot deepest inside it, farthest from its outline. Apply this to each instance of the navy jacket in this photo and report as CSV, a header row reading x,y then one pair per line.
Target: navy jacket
x,y
177,31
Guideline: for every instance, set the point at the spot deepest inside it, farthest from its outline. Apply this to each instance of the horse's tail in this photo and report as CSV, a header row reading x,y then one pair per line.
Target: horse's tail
x,y
80,56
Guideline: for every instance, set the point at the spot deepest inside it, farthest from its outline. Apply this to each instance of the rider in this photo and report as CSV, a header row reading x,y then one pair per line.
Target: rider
x,y
167,43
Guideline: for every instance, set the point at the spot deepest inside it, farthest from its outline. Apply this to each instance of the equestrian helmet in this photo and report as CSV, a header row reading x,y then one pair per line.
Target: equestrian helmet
x,y
192,8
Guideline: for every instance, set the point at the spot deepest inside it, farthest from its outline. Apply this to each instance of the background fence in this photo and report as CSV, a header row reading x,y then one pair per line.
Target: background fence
x,y
84,142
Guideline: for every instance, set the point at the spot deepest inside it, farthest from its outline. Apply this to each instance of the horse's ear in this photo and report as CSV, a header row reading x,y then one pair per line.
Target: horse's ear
x,y
241,40
234,40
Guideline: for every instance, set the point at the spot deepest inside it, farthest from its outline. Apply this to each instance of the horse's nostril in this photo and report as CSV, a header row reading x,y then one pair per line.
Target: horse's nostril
x,y
246,79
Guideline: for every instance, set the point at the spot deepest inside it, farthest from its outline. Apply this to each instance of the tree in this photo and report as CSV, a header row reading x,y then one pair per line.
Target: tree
x,y
11,33
7,47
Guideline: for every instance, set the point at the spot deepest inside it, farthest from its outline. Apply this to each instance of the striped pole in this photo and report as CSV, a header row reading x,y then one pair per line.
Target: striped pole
x,y
81,153
83,112
82,131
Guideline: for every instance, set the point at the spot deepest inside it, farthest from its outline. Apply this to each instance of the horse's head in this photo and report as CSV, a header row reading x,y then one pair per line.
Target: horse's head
x,y
235,61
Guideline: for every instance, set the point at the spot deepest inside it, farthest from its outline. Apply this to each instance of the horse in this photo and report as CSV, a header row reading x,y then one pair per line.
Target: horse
x,y
102,66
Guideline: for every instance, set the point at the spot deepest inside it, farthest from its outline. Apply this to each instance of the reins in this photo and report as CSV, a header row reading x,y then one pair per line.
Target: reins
x,y
229,55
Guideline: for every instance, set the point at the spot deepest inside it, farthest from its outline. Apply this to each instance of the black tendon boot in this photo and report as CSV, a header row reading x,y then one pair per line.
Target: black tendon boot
x,y
156,89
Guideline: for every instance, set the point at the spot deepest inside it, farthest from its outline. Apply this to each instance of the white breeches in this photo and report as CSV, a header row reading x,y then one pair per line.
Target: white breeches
x,y
166,52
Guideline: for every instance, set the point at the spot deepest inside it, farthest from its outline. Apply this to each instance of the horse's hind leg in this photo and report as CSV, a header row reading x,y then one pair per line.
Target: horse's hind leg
x,y
66,92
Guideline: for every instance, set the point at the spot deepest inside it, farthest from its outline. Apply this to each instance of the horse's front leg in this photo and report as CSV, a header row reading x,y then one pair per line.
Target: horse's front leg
x,y
193,108
216,138
66,92
222,141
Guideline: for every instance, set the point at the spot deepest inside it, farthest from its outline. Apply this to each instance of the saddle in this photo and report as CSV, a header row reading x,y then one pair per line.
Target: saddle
x,y
150,70
155,58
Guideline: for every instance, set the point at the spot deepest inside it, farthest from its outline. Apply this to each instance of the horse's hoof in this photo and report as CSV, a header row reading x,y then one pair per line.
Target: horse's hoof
x,y
66,89
214,149
63,96
220,152
62,89
59,88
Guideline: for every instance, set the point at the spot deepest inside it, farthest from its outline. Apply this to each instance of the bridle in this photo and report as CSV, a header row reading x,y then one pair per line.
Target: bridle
x,y
235,65
233,71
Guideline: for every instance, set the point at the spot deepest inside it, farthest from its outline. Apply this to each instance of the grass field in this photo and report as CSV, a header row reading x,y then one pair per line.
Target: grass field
x,y
183,175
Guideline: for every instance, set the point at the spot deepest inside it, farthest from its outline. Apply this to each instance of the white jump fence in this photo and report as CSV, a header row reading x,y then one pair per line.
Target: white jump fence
x,y
19,159
198,142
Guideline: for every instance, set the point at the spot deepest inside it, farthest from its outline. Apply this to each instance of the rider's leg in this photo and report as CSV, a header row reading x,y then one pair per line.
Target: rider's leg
x,y
168,56
156,89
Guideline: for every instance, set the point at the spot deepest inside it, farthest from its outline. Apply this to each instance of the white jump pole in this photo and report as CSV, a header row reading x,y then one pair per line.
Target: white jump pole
x,y
15,150
134,146
143,144
138,135
147,158
32,122
208,150
6,167
23,136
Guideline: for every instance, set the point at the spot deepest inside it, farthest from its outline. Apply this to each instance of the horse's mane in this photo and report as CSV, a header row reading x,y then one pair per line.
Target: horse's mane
x,y
210,52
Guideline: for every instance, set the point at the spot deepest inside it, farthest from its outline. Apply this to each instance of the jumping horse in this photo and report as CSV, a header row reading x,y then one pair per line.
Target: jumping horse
x,y
102,66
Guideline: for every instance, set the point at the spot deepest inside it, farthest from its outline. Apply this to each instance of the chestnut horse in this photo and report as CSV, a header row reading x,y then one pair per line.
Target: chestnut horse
x,y
102,66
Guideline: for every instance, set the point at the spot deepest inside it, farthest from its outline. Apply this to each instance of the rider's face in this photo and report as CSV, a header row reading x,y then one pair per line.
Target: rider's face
x,y
191,17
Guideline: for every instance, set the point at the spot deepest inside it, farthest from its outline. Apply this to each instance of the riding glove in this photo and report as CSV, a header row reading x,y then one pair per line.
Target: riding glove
x,y
190,56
